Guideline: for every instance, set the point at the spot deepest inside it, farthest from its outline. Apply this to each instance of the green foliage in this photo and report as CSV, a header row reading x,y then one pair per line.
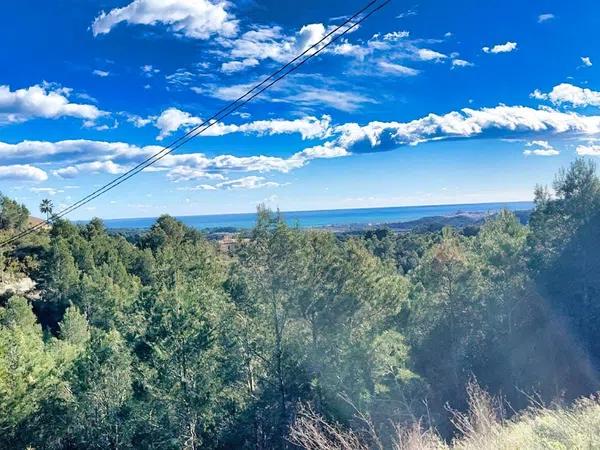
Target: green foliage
x,y
46,207
12,215
162,342
565,254
28,368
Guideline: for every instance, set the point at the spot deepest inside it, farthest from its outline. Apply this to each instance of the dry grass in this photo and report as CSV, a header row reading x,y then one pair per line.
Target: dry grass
x,y
483,427
313,432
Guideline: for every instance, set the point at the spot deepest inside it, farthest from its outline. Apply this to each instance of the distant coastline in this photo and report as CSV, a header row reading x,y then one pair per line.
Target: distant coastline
x,y
340,220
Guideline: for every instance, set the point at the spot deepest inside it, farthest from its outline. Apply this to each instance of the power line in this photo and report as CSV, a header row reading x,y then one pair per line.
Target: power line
x,y
258,89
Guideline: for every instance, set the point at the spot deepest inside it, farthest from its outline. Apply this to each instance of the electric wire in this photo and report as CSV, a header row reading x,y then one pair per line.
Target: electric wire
x,y
232,107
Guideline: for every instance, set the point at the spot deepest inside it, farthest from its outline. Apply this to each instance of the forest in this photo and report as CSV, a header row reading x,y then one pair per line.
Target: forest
x,y
297,338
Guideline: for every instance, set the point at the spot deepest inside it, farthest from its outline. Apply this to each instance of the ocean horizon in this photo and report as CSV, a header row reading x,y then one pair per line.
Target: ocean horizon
x,y
331,217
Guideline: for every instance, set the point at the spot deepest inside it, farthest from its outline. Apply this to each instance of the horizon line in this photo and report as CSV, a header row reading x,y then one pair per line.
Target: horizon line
x,y
303,210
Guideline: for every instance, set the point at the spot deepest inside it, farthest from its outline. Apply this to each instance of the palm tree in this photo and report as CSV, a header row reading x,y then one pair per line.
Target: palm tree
x,y
46,207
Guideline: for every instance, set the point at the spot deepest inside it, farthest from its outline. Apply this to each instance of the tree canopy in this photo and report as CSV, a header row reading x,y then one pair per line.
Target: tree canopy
x,y
165,342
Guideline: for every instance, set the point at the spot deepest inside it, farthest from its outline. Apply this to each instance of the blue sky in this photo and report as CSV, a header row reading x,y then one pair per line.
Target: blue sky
x,y
427,102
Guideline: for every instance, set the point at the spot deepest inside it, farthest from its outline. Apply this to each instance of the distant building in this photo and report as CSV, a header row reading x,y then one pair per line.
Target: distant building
x,y
230,242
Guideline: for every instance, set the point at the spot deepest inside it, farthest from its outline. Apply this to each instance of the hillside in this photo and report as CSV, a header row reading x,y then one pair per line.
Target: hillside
x,y
167,339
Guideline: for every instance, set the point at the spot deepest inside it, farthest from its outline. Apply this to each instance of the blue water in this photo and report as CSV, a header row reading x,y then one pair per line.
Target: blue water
x,y
326,218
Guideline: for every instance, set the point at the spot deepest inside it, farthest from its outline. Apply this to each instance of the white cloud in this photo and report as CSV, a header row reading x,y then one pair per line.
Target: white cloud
x,y
172,119
91,167
586,61
250,182
461,63
137,121
501,48
325,151
463,124
566,93
395,36
42,101
180,78
410,12
81,156
345,48
262,43
46,190
308,91
540,148
340,100
197,19
23,172
202,187
397,69
588,150
149,70
72,149
545,17
425,54
237,66
308,127
101,73
185,173
270,43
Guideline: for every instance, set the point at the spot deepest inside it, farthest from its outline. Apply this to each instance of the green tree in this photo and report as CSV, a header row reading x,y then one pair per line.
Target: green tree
x,y
311,307
12,215
189,380
29,370
565,254
446,310
47,207
59,283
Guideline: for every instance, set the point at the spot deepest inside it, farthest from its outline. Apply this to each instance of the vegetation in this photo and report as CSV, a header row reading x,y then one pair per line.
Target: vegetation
x,y
301,338
482,427
46,207
12,215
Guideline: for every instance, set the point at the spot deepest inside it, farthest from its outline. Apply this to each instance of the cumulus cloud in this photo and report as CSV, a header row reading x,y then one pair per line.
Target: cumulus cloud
x,y
338,140
117,157
566,93
501,48
22,172
270,43
308,127
588,150
540,148
545,17
262,43
91,167
464,124
42,101
172,119
586,61
72,149
196,19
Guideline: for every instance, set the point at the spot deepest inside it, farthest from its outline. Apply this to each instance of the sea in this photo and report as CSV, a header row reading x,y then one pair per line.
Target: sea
x,y
330,218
